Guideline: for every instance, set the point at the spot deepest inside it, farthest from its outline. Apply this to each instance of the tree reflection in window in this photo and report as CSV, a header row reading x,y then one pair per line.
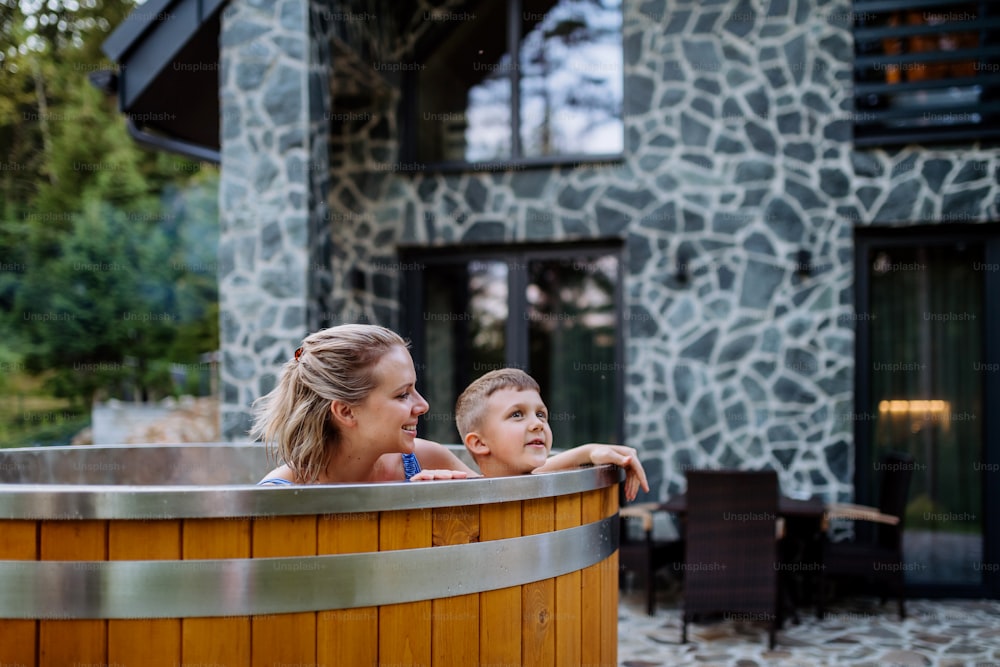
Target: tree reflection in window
x,y
572,325
559,94
571,79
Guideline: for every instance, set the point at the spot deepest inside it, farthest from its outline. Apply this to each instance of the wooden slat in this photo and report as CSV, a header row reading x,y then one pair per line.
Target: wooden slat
x,y
404,630
216,641
18,541
500,610
455,620
590,646
609,589
152,641
568,618
455,525
62,643
347,636
283,638
538,599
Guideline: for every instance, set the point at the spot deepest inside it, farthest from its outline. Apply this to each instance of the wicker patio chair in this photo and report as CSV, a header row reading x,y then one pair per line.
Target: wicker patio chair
x,y
873,555
731,547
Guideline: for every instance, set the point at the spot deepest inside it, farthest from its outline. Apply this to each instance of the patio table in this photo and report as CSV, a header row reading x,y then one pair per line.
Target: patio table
x,y
804,527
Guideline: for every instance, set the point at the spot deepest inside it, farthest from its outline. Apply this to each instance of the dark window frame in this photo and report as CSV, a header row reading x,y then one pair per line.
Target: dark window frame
x,y
408,114
517,350
865,241
872,97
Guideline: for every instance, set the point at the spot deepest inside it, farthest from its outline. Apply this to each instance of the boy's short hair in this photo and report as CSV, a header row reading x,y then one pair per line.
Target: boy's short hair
x,y
470,406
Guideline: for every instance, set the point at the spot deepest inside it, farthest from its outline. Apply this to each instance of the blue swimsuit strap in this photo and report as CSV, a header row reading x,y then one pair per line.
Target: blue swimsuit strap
x,y
277,481
410,465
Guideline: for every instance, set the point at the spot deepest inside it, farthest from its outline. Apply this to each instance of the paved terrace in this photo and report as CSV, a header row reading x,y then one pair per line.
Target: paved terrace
x,y
856,633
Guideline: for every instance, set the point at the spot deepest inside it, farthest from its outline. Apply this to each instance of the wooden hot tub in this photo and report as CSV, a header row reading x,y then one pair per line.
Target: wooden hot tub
x,y
138,556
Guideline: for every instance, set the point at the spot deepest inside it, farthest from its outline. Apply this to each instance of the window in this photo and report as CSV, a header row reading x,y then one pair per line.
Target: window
x,y
927,365
550,311
526,80
926,70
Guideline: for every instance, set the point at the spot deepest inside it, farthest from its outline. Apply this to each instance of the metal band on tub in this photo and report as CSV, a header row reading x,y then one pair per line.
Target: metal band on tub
x,y
254,586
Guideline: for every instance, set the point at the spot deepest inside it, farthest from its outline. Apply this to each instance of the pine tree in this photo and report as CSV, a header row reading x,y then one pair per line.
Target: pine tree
x,y
97,290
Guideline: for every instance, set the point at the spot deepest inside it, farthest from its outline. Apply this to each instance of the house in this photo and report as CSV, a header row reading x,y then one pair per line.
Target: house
x,y
753,233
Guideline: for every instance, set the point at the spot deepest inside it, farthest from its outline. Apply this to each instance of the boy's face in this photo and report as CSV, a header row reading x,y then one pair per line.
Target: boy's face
x,y
514,437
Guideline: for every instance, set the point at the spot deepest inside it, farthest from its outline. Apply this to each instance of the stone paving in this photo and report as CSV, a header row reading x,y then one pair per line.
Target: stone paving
x,y
856,633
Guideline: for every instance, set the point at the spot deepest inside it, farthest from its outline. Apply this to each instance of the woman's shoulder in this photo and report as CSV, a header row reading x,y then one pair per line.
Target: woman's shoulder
x,y
435,455
388,468
393,467
280,475
429,450
420,444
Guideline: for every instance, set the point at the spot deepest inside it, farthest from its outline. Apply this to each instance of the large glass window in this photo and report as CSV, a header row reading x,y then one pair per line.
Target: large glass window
x,y
927,308
927,366
572,343
527,79
553,313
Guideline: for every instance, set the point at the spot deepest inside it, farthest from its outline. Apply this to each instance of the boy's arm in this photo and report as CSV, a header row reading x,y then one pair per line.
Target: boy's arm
x,y
598,454
567,460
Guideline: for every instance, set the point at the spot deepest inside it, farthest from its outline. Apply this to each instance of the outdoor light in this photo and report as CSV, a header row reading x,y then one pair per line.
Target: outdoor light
x,y
920,407
682,265
917,412
803,263
356,278
680,271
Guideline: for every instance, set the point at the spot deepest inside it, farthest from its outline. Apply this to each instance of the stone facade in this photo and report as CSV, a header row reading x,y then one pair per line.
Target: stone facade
x,y
738,157
274,257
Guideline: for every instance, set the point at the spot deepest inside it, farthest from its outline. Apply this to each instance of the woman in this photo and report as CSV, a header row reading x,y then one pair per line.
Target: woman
x,y
346,409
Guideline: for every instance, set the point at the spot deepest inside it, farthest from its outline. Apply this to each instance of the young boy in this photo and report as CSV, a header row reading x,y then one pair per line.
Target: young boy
x,y
504,425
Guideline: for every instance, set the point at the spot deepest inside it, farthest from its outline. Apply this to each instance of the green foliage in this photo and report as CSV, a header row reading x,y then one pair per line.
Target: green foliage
x,y
56,432
122,294
30,416
107,251
31,428
103,299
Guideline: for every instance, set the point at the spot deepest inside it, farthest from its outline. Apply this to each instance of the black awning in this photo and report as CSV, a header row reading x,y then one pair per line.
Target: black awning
x,y
168,80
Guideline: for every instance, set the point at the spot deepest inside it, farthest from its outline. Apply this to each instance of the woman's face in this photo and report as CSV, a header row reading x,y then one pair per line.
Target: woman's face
x,y
387,418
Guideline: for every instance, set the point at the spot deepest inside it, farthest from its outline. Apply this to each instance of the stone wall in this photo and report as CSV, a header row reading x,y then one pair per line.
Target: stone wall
x,y
738,156
274,257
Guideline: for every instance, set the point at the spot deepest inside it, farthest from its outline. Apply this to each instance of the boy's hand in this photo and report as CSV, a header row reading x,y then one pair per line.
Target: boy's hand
x,y
627,458
427,475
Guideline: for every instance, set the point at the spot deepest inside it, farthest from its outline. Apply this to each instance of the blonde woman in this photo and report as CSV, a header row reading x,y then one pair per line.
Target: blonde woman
x,y
346,409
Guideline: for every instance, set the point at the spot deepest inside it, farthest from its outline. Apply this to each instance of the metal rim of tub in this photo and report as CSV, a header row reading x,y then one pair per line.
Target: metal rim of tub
x,y
110,501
